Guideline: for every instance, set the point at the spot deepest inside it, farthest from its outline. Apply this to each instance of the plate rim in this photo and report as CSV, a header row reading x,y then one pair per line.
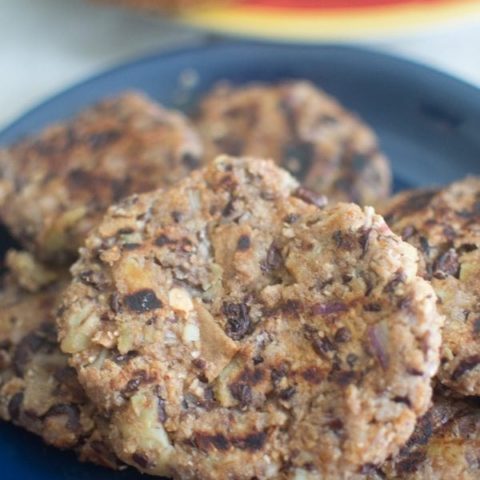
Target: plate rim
x,y
411,68
215,41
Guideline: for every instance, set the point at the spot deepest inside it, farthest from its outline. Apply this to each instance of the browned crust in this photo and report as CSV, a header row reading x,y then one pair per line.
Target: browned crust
x,y
325,338
444,445
444,224
55,186
39,391
327,148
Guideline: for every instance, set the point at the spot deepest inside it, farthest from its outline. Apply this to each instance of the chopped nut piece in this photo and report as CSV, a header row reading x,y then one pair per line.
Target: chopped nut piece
x,y
179,299
217,349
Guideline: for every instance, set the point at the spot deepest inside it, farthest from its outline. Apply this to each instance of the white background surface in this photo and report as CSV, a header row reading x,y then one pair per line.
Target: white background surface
x,y
47,45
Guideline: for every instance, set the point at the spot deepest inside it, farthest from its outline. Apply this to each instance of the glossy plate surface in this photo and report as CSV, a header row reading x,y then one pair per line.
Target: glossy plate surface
x,y
428,124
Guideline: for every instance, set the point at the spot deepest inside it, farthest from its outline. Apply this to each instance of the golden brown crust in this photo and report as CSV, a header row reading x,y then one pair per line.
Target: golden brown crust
x,y
54,187
325,147
249,333
38,389
444,445
445,226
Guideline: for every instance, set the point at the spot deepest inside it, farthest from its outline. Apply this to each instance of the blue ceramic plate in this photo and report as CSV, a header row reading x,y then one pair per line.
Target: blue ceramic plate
x,y
428,124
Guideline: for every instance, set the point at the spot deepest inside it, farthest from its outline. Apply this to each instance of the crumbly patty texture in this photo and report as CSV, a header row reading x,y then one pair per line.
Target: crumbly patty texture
x,y
327,148
251,332
444,446
445,227
39,391
54,187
